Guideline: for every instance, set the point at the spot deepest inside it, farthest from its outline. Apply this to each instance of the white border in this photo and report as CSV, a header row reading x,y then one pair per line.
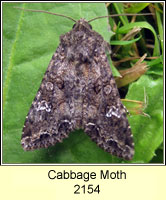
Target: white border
x,y
83,164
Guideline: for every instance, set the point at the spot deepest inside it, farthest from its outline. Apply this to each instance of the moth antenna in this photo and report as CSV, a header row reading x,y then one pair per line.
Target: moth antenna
x,y
43,11
117,15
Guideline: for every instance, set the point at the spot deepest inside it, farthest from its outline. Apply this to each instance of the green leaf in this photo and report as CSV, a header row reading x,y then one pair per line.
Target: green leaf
x,y
148,131
115,42
136,7
160,26
155,66
127,27
120,10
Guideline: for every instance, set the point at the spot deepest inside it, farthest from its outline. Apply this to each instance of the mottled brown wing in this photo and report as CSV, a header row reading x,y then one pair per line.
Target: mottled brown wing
x,y
105,119
50,118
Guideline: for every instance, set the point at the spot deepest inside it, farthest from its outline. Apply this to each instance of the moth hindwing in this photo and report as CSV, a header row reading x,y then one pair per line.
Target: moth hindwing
x,y
78,91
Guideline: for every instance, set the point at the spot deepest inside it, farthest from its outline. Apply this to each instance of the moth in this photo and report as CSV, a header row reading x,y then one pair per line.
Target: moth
x,y
78,91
